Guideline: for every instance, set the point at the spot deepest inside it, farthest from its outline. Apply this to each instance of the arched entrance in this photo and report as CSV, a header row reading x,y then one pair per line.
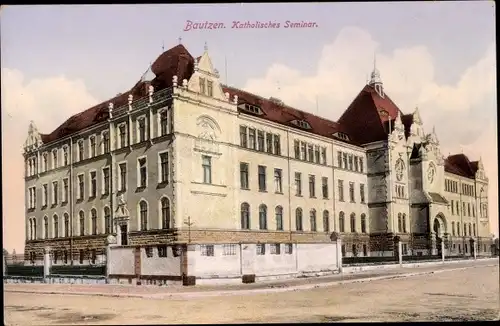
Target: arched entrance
x,y
439,229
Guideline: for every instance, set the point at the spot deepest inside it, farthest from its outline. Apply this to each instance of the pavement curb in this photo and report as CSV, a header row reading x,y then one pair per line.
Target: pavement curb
x,y
202,294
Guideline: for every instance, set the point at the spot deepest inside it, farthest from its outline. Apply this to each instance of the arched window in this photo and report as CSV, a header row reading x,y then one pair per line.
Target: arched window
x,y
165,213
107,220
326,221
341,222
55,220
458,228
93,221
82,223
66,225
312,219
30,229
245,216
474,229
465,229
470,229
45,227
400,229
279,218
353,222
453,228
363,223
298,219
263,217
143,213
34,228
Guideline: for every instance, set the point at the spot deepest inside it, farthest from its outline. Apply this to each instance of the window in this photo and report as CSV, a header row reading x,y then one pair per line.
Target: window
x,y
261,249
452,207
354,250
363,223
312,220
326,221
81,256
80,156
404,223
260,141
278,181
81,186
45,195
344,160
269,143
65,190
298,184
361,166
310,153
263,217
245,216
82,223
453,228
163,123
93,221
92,146
55,221
54,158
45,162
143,213
105,142
323,156
207,250
340,184
362,193
365,250
106,183
356,163
164,173
31,197
288,248
165,213
34,228
316,154
210,88
465,229
141,128
298,219
399,223
107,220
324,187
458,228
353,222
122,135
202,85
251,138
279,218
66,225
277,145
351,192
243,136
341,222
343,250
142,166
244,175
468,209
275,249
93,184
296,147
339,159
229,249
474,229
162,251
55,191
470,229
303,150
207,169
262,178
122,181
149,252
312,186
65,156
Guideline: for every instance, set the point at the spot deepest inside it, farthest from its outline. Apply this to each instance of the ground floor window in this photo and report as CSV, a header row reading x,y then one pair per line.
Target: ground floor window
x,y
343,250
365,250
405,249
261,249
229,249
81,256
465,248
149,252
275,249
288,248
207,250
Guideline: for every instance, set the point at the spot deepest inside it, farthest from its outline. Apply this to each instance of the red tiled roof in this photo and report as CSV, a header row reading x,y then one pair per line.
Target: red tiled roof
x,y
175,61
284,114
459,164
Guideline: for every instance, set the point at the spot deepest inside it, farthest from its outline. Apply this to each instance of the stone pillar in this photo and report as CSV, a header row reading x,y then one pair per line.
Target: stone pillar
x,y
336,238
46,264
400,253
473,247
442,251
433,249
110,241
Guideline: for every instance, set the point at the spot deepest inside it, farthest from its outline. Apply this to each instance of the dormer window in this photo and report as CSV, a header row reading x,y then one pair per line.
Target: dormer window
x,y
341,135
202,85
253,109
301,124
210,88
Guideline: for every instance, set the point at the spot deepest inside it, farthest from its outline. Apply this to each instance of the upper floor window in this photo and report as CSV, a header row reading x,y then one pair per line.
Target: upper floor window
x,y
122,135
143,214
202,85
65,156
243,136
45,162
142,166
80,152
207,169
163,122
210,88
93,151
296,147
105,142
164,168
251,138
54,158
141,129
262,178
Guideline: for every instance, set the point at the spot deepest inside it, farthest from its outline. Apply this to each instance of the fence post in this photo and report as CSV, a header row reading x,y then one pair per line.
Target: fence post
x,y
339,254
442,250
46,264
400,253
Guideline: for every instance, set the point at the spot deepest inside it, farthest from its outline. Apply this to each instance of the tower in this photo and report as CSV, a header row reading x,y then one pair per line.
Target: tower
x,y
375,80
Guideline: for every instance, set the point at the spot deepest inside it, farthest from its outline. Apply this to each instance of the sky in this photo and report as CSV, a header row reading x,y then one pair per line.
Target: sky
x,y
57,61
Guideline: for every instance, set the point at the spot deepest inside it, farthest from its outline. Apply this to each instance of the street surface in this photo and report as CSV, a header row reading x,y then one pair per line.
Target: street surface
x,y
461,294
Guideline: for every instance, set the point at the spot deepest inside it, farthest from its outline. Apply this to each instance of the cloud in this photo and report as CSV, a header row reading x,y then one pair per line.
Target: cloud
x,y
48,102
461,112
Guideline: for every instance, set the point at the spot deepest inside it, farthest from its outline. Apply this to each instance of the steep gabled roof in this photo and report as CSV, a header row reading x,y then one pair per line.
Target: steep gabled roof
x,y
459,164
175,61
284,114
365,118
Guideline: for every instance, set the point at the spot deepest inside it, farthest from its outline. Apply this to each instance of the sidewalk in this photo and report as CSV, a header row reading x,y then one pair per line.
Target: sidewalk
x,y
159,292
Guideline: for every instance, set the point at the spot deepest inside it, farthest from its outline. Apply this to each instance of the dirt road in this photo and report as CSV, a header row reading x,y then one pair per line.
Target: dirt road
x,y
460,295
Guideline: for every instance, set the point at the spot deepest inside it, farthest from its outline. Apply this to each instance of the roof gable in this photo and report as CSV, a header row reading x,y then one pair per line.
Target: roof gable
x,y
460,164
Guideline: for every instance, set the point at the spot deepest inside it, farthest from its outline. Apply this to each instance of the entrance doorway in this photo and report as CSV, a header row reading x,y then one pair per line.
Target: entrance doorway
x,y
123,234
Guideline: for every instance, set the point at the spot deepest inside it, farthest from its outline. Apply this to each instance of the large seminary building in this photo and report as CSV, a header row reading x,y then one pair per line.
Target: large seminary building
x,y
183,166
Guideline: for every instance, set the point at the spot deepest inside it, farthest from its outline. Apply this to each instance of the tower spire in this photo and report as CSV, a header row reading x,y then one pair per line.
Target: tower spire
x,y
375,80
